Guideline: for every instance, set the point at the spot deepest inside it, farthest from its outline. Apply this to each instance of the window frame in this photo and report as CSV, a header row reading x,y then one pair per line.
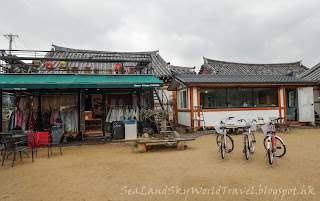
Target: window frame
x,y
291,94
183,102
253,97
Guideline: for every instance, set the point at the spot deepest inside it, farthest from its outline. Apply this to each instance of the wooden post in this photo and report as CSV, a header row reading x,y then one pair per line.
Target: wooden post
x,y
1,110
142,147
180,145
165,127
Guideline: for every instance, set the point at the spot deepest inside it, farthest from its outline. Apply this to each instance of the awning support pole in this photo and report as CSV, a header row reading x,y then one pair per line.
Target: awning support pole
x,y
1,109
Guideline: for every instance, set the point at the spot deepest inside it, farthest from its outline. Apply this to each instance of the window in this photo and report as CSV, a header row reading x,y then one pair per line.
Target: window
x,y
183,99
291,99
265,97
213,98
239,97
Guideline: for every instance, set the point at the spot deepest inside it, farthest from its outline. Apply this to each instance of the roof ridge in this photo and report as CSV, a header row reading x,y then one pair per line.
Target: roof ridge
x,y
183,67
60,48
227,62
310,70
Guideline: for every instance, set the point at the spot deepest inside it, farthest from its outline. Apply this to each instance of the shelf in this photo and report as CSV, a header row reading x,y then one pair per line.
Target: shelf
x,y
97,119
92,132
93,126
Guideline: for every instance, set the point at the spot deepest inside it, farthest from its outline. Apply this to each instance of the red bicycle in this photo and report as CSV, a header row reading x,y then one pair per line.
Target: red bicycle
x,y
274,145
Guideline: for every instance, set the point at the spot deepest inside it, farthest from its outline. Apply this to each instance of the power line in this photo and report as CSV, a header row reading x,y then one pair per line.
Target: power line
x,y
25,44
10,37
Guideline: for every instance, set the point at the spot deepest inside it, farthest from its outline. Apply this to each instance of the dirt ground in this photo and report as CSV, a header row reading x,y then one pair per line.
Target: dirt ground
x,y
118,172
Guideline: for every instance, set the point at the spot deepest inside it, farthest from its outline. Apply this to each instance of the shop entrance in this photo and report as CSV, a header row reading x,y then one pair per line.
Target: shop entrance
x,y
300,104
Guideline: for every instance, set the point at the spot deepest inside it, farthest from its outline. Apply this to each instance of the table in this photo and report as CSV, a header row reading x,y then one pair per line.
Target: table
x,y
236,127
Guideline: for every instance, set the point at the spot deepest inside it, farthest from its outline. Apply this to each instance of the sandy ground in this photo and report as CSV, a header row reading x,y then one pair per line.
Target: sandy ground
x,y
119,172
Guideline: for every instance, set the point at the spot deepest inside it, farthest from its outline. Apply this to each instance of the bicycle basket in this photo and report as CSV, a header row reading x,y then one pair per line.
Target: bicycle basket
x,y
266,128
218,129
253,127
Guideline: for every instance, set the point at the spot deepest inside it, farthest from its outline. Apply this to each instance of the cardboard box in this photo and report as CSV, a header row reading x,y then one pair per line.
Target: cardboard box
x,y
88,115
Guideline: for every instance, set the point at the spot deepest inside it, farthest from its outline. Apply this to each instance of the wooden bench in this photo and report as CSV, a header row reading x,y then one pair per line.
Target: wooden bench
x,y
179,141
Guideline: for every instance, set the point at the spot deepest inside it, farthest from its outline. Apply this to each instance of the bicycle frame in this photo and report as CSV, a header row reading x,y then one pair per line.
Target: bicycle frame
x,y
271,141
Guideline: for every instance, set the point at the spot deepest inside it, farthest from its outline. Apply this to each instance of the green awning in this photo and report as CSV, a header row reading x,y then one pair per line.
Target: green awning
x,y
65,81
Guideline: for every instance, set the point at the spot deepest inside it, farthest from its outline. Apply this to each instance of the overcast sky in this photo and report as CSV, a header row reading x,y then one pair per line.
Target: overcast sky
x,y
248,31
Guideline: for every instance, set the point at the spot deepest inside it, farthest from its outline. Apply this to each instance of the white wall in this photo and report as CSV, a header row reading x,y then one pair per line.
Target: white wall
x,y
281,98
184,118
213,118
316,96
195,96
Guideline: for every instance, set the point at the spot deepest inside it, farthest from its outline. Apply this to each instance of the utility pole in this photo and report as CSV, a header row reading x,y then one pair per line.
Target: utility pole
x,y
10,37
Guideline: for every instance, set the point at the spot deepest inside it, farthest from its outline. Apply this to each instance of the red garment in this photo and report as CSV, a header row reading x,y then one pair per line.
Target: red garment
x,y
19,118
30,124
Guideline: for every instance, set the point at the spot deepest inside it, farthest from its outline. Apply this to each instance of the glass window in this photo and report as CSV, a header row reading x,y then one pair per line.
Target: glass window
x,y
291,99
265,97
183,99
240,97
213,98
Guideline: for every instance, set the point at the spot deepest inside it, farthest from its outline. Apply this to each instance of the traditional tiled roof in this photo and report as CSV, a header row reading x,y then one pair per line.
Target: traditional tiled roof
x,y
232,68
312,74
235,79
157,64
182,70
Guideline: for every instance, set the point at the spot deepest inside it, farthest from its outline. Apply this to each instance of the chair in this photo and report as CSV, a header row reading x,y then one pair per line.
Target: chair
x,y
284,123
260,120
2,147
26,140
12,146
54,141
287,123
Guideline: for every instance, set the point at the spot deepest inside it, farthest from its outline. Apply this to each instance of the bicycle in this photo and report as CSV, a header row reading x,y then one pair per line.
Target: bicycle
x,y
249,140
274,145
223,139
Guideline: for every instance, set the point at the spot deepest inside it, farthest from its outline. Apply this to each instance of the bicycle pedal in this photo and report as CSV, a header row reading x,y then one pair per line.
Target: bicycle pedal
x,y
253,141
278,147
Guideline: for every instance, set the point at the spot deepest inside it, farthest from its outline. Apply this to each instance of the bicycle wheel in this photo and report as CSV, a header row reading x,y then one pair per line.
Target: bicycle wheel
x,y
270,156
229,146
246,148
252,146
222,148
280,146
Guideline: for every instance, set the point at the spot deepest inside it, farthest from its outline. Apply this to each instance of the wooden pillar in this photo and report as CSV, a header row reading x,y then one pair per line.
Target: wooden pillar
x,y
198,98
175,106
79,94
103,111
284,101
279,101
1,109
191,106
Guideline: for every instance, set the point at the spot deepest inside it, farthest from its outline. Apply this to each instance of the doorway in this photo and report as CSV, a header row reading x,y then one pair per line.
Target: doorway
x,y
292,103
